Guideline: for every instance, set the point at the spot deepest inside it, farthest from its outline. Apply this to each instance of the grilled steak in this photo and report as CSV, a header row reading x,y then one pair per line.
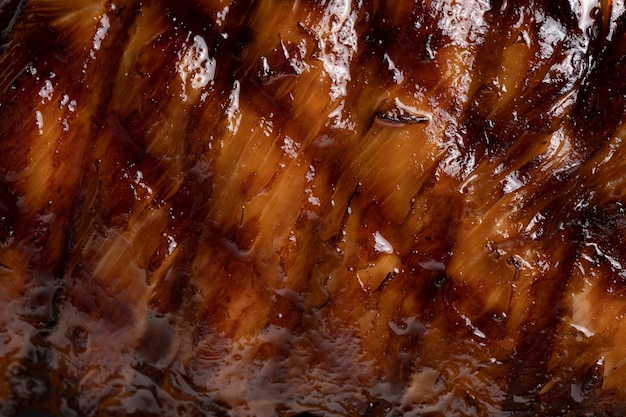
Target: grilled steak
x,y
312,208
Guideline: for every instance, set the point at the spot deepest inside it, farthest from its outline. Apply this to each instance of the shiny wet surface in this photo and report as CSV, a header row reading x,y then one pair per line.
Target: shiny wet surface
x,y
313,208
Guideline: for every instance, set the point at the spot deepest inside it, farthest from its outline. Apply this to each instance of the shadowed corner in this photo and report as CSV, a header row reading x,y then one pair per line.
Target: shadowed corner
x,y
34,413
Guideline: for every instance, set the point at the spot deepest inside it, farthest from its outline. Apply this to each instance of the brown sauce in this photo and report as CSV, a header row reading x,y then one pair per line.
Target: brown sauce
x,y
213,208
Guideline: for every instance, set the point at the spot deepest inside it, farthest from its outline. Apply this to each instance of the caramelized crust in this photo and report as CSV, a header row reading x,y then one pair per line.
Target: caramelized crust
x,y
266,208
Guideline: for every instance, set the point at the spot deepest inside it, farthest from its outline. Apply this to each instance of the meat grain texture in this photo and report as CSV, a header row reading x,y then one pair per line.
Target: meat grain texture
x,y
313,208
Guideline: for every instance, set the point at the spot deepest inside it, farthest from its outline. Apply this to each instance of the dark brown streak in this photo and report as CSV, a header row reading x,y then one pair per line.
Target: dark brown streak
x,y
399,117
9,19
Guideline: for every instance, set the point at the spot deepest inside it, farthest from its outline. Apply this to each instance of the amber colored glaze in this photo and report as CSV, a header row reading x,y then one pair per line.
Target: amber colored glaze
x,y
314,208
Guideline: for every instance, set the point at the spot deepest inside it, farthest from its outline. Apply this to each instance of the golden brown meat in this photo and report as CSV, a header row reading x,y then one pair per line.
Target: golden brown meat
x,y
320,208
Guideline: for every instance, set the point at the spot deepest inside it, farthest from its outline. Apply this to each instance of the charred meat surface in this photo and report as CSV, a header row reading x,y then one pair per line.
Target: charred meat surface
x,y
312,208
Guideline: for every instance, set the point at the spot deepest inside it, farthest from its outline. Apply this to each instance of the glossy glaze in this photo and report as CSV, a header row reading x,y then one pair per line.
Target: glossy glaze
x,y
213,208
